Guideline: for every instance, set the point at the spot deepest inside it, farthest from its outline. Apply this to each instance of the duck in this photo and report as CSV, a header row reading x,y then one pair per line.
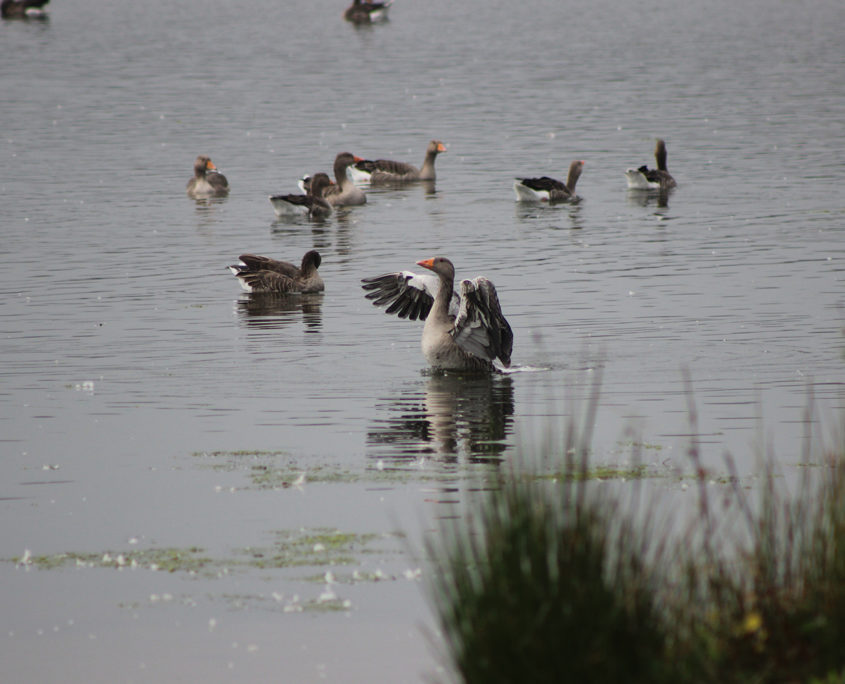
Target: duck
x,y
464,330
547,189
261,274
344,192
645,178
207,180
367,12
23,9
311,203
383,171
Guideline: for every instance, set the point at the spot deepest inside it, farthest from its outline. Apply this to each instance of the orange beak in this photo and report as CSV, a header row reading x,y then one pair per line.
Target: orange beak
x,y
211,165
357,158
441,147
426,263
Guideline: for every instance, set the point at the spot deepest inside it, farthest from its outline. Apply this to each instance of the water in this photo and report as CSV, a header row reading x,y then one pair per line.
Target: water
x,y
130,356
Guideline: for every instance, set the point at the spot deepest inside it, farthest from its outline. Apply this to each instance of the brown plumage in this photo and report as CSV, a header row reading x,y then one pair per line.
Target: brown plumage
x,y
23,9
207,180
385,171
344,192
311,203
263,274
545,189
645,178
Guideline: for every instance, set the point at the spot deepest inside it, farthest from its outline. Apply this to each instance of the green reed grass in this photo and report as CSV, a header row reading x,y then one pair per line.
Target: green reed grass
x,y
546,582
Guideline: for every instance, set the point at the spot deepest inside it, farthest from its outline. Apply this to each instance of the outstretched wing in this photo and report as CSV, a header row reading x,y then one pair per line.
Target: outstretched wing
x,y
480,328
408,295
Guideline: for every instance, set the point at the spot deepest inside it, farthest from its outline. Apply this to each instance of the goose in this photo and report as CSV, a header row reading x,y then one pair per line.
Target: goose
x,y
367,12
311,203
383,171
645,178
344,192
266,275
547,189
23,9
464,328
207,180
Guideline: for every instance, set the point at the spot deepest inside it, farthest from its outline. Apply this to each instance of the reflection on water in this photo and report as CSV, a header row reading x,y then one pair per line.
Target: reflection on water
x,y
452,416
271,310
642,198
529,211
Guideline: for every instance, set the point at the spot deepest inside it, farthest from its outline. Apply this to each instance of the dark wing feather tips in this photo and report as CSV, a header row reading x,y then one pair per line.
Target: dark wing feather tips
x,y
399,294
480,328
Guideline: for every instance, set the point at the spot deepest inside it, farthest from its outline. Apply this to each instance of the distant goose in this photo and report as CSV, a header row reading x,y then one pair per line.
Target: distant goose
x,y
367,12
265,275
23,9
547,189
207,180
344,192
384,171
464,329
311,203
645,178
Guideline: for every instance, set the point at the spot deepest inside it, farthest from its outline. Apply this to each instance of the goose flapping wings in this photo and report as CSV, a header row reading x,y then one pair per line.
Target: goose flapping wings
x,y
464,327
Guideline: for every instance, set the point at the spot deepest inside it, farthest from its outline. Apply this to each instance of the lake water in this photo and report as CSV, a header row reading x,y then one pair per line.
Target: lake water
x,y
141,391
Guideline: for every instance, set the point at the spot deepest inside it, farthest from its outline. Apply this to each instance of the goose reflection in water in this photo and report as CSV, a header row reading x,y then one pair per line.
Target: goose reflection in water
x,y
642,198
453,416
268,310
530,211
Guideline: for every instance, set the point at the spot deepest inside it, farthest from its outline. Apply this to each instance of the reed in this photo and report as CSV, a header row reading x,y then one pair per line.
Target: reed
x,y
548,582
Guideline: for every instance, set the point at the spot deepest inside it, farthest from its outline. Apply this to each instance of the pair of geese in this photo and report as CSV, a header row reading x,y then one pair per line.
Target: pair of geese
x,y
464,329
547,189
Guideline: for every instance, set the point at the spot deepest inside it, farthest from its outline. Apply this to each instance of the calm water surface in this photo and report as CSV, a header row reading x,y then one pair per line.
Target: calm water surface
x,y
130,357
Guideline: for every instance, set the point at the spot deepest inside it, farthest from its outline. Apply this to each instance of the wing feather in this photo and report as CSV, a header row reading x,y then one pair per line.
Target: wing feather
x,y
408,295
480,327
254,262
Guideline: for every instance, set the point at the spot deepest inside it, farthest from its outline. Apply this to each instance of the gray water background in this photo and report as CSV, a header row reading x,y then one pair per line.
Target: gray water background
x,y
128,348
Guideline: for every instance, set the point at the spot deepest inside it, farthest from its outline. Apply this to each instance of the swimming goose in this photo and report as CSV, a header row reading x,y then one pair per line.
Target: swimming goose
x,y
344,192
23,9
262,274
383,171
311,203
207,180
464,328
547,189
367,12
645,178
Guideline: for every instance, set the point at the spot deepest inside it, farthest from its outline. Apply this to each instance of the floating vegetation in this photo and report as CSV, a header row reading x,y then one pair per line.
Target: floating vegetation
x,y
191,559
279,470
316,547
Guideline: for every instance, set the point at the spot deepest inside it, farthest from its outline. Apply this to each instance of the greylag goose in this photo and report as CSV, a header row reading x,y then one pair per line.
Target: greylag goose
x,y
23,9
547,189
645,178
464,328
207,180
344,192
382,171
311,203
367,12
262,274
